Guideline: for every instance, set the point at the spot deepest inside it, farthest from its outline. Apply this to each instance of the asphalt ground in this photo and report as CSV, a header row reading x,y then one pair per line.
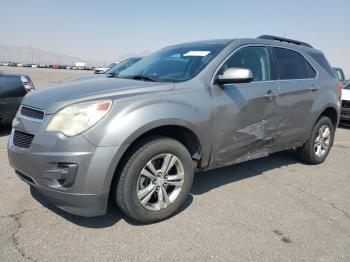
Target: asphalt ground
x,y
270,209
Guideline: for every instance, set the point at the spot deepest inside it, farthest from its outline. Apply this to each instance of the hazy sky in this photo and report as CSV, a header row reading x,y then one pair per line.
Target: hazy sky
x,y
104,30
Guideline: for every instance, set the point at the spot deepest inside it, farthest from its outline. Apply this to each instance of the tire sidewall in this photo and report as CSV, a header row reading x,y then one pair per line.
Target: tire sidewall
x,y
323,121
131,203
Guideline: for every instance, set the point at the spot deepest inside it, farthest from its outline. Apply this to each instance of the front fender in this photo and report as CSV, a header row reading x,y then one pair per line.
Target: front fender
x,y
128,121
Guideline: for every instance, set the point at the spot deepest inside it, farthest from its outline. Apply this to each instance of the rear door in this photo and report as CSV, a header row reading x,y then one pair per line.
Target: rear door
x,y
297,91
245,123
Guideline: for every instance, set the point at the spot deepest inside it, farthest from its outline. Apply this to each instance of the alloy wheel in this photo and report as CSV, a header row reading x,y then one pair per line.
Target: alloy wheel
x,y
160,181
322,141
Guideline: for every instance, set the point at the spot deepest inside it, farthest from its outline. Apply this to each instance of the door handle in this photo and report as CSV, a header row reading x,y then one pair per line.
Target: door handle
x,y
270,93
313,88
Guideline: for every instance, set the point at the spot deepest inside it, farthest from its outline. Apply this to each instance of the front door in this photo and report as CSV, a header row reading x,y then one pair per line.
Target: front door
x,y
245,123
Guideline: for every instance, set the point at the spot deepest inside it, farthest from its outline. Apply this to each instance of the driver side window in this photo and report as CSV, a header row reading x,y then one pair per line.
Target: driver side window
x,y
254,58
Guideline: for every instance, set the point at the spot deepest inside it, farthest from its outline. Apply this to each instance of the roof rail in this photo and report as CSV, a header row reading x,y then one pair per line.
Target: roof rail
x,y
282,39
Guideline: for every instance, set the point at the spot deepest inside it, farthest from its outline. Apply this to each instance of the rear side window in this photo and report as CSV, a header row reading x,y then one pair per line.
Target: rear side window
x,y
322,61
311,73
292,65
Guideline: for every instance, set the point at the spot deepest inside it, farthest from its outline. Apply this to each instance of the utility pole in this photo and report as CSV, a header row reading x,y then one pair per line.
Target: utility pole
x,y
31,47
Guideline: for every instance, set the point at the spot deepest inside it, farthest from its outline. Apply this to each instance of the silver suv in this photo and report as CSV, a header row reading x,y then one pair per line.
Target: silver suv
x,y
139,138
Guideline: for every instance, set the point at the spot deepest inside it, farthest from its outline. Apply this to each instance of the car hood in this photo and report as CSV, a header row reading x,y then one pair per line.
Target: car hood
x,y
345,94
52,99
83,78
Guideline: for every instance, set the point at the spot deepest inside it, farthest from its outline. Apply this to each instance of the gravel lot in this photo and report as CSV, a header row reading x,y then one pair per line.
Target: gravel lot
x,y
271,209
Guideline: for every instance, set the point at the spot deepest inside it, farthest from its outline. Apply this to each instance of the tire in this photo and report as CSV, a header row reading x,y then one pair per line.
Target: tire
x,y
132,184
308,152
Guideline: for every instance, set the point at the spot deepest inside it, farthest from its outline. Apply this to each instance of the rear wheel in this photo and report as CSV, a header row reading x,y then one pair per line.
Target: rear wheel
x,y
316,149
155,180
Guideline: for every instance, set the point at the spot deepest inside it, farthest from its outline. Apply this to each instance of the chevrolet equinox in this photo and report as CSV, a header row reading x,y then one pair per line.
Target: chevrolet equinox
x,y
138,138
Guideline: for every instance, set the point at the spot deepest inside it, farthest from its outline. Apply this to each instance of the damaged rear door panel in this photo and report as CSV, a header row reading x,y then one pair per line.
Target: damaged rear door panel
x,y
298,89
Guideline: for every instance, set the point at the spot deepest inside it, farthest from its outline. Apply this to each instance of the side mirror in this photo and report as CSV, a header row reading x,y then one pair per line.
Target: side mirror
x,y
234,76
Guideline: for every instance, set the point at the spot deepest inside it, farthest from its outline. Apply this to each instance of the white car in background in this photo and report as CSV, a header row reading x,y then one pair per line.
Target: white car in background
x,y
340,75
101,70
345,105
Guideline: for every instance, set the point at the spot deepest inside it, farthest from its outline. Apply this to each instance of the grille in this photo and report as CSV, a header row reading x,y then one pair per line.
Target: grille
x,y
32,113
345,104
21,139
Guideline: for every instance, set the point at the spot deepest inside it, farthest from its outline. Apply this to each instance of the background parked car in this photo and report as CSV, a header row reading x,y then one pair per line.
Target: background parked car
x,y
340,75
345,105
101,70
112,72
13,87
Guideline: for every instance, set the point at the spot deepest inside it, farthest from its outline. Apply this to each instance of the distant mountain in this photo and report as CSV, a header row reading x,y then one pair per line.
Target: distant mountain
x,y
28,54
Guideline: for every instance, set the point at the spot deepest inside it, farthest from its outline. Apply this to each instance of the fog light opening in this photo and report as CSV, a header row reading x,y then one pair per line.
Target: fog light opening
x,y
62,175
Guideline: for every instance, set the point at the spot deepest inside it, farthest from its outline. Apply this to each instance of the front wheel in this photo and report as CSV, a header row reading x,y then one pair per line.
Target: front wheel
x,y
316,149
155,180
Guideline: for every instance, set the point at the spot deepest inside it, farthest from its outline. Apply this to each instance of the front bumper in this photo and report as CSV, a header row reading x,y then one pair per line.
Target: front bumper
x,y
49,151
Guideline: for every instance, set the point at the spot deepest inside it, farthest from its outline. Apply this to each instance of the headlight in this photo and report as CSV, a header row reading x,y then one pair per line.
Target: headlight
x,y
75,119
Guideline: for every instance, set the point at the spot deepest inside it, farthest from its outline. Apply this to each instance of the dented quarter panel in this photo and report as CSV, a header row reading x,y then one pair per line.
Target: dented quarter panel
x,y
326,98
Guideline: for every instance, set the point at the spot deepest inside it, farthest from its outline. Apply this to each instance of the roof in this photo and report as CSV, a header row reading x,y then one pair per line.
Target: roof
x,y
208,42
285,40
268,39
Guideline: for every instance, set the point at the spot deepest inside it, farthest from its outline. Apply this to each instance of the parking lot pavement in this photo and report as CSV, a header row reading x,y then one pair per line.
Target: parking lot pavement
x,y
271,209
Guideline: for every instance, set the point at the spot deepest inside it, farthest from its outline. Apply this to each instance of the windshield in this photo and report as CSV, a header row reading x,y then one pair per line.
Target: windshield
x,y
347,86
116,69
173,64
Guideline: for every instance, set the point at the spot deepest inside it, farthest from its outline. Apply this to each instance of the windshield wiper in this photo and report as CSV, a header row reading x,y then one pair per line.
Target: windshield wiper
x,y
145,78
